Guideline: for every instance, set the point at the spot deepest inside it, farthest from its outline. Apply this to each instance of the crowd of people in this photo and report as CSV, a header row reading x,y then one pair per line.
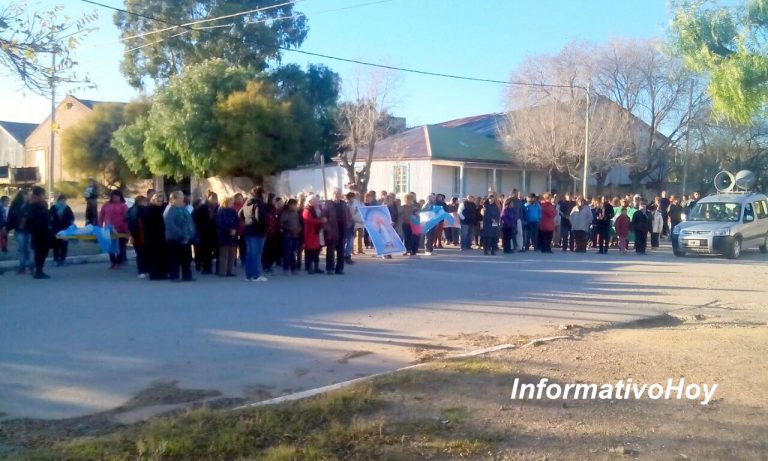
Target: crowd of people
x,y
172,236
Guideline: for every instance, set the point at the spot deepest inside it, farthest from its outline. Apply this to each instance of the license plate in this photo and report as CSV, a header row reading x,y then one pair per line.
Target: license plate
x,y
695,243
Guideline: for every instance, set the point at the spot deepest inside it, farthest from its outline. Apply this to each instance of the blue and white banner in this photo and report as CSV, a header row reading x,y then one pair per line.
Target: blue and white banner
x,y
378,223
430,219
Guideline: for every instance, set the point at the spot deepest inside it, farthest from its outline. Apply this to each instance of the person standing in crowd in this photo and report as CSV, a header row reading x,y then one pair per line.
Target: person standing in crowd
x,y
467,213
61,218
39,227
476,232
17,222
641,225
301,203
623,226
664,204
179,234
337,216
91,195
657,225
564,210
394,213
227,224
356,224
438,239
519,205
580,220
546,224
207,242
430,236
137,216
603,222
290,226
4,207
675,212
491,224
313,228
692,203
451,233
509,227
254,217
532,218
410,238
154,238
237,204
273,253
112,215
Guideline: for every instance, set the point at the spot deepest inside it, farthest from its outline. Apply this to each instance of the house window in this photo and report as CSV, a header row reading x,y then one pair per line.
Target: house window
x,y
400,176
456,180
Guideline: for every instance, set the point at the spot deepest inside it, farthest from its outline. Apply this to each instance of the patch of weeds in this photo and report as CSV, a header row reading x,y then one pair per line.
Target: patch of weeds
x,y
475,365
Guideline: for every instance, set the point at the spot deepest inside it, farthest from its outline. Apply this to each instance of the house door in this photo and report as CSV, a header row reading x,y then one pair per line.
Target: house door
x,y
40,163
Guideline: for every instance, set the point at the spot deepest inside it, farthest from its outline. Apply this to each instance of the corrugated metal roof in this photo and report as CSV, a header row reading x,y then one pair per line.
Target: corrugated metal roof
x,y
19,131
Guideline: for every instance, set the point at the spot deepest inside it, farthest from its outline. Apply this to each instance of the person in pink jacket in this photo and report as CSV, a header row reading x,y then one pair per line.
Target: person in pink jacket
x,y
112,214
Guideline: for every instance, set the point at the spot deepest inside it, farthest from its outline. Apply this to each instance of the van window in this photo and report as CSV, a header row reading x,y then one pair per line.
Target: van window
x,y
748,210
761,209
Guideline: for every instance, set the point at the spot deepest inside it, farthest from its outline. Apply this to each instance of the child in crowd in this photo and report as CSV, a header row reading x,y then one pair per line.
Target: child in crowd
x,y
623,226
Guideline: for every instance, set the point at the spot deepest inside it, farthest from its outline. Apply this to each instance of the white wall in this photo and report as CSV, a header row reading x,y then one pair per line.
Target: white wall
x,y
419,176
442,180
309,180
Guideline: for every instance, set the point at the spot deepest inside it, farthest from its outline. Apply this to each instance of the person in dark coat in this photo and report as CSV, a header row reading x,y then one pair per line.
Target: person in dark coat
x,y
273,245
641,225
136,217
509,226
491,225
17,222
154,238
337,216
603,221
207,244
91,196
39,228
61,218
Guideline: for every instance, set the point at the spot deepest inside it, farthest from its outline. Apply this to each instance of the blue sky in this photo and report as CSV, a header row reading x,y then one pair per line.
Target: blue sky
x,y
481,38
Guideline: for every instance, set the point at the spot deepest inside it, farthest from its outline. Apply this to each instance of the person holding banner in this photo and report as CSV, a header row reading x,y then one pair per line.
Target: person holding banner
x,y
410,225
429,238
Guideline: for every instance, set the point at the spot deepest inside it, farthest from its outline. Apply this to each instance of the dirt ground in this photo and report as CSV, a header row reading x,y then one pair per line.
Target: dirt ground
x,y
475,395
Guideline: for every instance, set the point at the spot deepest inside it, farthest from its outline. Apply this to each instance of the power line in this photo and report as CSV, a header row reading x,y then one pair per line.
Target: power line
x,y
354,61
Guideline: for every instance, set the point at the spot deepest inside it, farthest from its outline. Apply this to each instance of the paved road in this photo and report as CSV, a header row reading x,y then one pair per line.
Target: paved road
x,y
90,338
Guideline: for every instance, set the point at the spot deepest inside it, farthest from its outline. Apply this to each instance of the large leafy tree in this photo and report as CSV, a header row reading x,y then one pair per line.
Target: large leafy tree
x,y
250,40
218,119
28,39
88,143
729,44
316,90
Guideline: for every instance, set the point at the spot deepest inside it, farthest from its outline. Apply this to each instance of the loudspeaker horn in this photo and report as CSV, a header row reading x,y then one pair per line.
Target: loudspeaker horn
x,y
724,181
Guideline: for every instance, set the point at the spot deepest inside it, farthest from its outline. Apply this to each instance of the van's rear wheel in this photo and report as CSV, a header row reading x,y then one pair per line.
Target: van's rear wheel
x,y
764,246
735,251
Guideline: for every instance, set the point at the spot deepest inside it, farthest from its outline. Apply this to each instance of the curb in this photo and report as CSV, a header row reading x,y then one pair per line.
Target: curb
x,y
332,387
71,260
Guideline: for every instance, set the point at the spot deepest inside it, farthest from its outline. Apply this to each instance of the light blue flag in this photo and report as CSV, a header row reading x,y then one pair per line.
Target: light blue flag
x,y
431,218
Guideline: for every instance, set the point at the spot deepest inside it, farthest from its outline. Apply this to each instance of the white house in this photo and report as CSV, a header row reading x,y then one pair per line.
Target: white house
x,y
455,158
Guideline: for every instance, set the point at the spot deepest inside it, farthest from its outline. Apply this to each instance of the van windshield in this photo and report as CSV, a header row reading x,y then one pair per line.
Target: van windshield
x,y
716,212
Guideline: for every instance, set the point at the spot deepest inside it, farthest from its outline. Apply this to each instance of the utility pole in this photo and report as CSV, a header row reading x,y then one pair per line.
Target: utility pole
x,y
687,141
585,184
51,157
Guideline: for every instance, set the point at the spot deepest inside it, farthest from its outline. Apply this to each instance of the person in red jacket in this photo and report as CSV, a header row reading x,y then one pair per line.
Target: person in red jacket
x,y
623,226
113,214
546,224
313,226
